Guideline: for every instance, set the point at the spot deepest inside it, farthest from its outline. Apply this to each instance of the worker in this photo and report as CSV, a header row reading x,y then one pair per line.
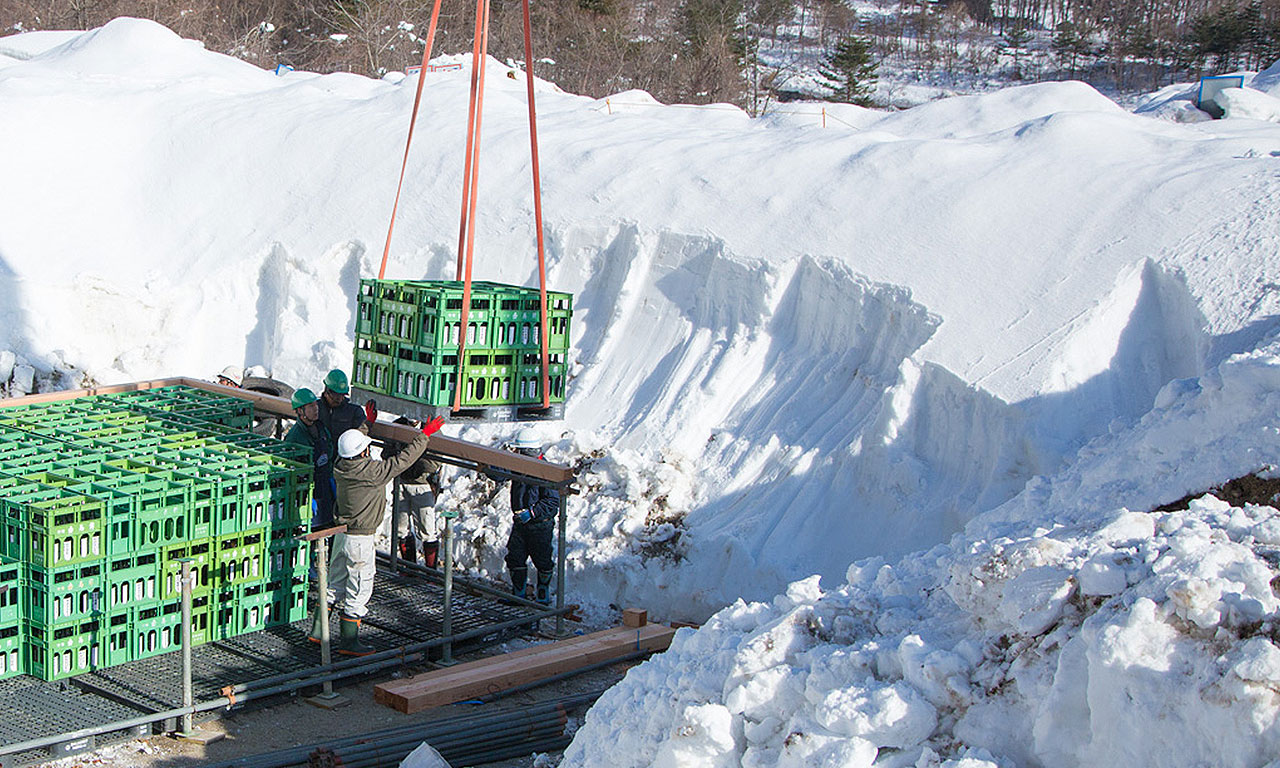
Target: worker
x,y
534,509
360,505
337,413
415,499
309,431
231,376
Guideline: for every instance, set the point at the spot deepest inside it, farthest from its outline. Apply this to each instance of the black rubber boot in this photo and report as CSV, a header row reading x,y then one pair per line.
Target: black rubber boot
x,y
518,578
544,588
349,644
431,553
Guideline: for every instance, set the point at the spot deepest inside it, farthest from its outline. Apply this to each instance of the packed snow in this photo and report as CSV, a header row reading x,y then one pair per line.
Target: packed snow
x,y
887,403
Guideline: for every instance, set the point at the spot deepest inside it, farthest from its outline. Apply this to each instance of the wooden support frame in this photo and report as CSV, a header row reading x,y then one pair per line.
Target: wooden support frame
x,y
481,455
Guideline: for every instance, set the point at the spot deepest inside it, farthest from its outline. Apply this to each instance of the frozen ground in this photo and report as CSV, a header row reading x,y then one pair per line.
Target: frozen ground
x,y
995,330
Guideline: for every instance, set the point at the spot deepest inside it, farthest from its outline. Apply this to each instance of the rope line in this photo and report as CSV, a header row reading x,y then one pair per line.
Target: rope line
x,y
413,120
537,205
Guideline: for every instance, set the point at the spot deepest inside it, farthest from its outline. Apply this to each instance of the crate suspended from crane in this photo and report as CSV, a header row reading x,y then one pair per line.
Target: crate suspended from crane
x,y
406,349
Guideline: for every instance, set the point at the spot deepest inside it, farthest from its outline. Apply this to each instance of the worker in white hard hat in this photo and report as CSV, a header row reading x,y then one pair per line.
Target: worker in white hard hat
x,y
231,376
361,501
533,509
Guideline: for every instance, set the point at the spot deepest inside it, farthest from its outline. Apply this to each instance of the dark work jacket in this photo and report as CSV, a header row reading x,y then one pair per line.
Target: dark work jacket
x,y
543,502
321,442
339,420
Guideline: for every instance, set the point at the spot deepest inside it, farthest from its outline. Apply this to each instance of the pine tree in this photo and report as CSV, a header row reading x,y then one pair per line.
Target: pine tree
x,y
850,71
1071,42
1015,42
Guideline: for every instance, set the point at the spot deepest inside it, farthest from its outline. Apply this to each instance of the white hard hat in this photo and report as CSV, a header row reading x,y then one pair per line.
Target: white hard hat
x,y
233,372
527,438
352,443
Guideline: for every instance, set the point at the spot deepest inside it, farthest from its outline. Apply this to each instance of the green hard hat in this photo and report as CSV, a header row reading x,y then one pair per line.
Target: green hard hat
x,y
303,397
336,381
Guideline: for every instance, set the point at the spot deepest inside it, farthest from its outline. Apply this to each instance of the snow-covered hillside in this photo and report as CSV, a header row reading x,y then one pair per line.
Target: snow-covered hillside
x,y
794,347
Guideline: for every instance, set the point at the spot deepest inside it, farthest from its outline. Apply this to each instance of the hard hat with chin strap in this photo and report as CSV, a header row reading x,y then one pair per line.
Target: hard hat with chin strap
x,y
302,397
352,443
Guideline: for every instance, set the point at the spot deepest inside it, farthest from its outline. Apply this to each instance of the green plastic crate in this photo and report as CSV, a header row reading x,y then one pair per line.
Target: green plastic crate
x,y
65,650
203,567
54,596
288,595
12,650
241,557
133,581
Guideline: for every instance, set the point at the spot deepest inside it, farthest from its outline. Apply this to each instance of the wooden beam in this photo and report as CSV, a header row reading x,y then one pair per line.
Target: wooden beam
x,y
446,446
72,394
498,673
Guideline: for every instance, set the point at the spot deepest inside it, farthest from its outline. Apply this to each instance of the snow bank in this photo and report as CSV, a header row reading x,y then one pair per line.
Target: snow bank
x,y
1063,629
1248,104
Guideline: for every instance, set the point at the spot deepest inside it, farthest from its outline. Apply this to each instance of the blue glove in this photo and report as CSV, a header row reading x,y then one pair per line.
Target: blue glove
x,y
524,516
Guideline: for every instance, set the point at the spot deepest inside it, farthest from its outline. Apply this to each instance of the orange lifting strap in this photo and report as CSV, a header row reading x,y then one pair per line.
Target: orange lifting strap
x,y
470,181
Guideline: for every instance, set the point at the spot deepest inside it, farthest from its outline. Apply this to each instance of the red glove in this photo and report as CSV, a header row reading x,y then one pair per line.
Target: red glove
x,y
371,411
433,426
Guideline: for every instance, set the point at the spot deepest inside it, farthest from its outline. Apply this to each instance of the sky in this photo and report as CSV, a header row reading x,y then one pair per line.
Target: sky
x,y
885,402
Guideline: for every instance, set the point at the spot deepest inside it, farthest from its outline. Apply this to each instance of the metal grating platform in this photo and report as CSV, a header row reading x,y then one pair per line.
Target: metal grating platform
x,y
33,707
406,608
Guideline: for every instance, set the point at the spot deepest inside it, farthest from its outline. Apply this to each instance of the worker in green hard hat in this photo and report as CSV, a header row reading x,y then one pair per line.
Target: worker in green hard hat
x,y
308,430
338,413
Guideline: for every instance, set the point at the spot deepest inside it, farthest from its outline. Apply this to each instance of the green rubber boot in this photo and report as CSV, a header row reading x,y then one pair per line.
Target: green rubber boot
x,y
349,641
314,634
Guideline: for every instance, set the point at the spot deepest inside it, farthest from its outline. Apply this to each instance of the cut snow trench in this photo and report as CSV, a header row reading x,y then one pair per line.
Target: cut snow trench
x,y
797,410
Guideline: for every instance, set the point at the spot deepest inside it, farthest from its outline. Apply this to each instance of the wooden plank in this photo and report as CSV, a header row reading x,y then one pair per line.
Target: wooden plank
x,y
72,394
446,446
498,673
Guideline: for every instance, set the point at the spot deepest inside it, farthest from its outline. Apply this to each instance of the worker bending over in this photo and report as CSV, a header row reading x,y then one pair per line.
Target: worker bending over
x,y
361,502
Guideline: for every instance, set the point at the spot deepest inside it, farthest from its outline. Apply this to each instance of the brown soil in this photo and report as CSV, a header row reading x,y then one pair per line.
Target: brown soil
x,y
1249,489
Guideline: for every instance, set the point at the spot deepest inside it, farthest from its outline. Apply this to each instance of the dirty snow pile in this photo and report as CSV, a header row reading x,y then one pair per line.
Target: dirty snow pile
x,y
1069,627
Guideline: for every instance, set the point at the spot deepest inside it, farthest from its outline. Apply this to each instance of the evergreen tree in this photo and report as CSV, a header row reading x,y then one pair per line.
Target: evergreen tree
x,y
850,71
1221,34
1014,43
1070,43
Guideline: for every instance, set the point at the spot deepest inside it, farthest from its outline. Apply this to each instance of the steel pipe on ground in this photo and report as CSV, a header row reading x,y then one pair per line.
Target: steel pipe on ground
x,y
471,725
546,744
454,751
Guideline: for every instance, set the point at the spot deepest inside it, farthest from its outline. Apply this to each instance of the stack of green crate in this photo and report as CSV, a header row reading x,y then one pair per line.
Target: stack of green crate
x,y
407,335
102,497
